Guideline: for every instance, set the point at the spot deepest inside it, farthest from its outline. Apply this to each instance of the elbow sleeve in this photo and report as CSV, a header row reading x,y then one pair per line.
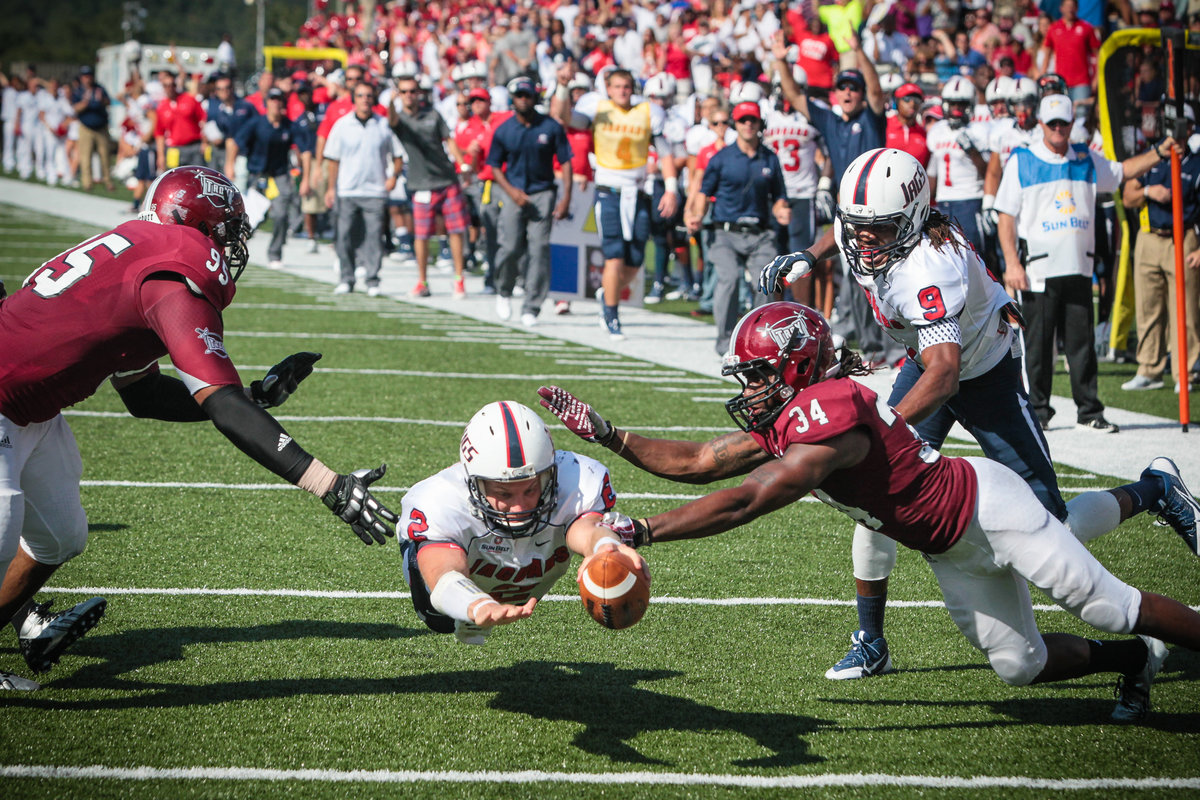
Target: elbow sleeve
x,y
256,433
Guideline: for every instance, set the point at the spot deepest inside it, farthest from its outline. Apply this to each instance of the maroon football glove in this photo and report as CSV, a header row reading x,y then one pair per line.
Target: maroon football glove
x,y
580,418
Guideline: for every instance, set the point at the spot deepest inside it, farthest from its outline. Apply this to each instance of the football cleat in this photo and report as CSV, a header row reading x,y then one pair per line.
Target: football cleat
x,y
1178,508
15,683
1133,691
867,657
45,635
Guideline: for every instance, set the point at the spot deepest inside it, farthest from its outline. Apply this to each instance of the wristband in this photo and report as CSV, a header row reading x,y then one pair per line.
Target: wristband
x,y
562,93
454,594
671,185
607,540
825,184
1158,153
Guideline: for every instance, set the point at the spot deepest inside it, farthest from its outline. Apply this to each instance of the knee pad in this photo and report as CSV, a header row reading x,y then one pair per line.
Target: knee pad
x,y
1092,514
55,539
1018,668
1113,613
873,554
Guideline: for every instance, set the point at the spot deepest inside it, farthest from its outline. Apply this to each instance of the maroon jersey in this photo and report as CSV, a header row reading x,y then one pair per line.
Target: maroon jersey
x,y
903,489
83,316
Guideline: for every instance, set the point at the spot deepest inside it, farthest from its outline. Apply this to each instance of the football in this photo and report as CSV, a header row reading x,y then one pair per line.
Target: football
x,y
612,592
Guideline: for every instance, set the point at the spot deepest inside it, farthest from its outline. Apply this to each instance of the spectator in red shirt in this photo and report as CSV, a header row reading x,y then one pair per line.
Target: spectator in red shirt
x,y
1074,45
904,129
815,52
266,82
473,135
177,128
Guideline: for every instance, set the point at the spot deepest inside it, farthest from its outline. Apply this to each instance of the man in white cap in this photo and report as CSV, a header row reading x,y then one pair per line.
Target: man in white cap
x,y
1046,204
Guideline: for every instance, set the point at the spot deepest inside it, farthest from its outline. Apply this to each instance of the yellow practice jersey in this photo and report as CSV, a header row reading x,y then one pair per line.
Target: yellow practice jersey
x,y
622,138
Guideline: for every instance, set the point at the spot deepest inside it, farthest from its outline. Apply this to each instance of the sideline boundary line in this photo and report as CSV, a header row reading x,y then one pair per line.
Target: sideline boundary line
x,y
609,778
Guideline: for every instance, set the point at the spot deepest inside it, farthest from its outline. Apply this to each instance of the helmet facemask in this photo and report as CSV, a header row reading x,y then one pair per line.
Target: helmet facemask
x,y
759,409
515,524
894,238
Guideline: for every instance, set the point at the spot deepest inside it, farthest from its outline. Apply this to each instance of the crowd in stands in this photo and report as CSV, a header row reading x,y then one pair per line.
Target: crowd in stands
x,y
700,60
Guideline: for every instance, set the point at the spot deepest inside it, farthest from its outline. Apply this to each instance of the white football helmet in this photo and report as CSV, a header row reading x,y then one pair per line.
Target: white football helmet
x,y
884,194
799,75
506,441
1024,102
581,81
745,92
999,90
661,85
958,101
891,82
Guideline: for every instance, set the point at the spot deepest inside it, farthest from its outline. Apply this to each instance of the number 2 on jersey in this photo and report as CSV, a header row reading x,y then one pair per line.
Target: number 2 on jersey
x,y
46,284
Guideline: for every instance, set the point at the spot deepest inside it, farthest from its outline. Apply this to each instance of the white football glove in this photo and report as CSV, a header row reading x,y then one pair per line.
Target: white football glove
x,y
633,533
823,201
988,217
784,271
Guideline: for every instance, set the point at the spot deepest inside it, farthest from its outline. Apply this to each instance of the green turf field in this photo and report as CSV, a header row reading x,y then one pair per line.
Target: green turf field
x,y
253,647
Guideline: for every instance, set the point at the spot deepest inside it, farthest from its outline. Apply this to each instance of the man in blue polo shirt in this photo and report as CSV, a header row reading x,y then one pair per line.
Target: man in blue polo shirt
x,y
227,113
522,159
746,183
267,141
854,122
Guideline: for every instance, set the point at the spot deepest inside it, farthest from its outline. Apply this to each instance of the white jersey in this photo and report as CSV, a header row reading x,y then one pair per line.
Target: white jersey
x,y
794,140
674,132
8,104
1007,136
931,285
955,175
1053,199
438,512
700,136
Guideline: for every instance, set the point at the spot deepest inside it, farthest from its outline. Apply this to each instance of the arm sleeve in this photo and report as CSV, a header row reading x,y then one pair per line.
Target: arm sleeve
x,y
1109,174
158,397
256,433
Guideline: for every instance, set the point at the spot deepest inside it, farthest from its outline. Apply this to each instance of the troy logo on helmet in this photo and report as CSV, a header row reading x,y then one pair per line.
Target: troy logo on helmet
x,y
217,193
782,332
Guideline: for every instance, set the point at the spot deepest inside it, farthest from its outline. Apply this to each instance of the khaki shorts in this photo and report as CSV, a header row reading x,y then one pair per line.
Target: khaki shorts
x,y
315,202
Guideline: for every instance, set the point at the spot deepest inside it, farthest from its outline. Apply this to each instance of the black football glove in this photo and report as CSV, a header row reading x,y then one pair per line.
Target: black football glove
x,y
282,379
633,532
784,270
3,293
351,501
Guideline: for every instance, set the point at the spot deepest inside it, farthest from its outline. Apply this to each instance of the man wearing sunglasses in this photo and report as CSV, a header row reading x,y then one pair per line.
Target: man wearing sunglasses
x,y
1046,204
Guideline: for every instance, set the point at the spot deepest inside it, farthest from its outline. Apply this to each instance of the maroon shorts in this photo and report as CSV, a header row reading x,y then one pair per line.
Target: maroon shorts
x,y
448,203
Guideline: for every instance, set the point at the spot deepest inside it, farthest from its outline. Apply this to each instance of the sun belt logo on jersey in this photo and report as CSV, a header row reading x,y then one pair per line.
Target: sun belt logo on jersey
x,y
785,331
218,193
1065,202
212,342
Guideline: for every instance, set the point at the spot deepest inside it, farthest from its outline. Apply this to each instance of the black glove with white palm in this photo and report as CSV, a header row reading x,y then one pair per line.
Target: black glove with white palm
x,y
785,270
282,380
351,501
988,218
579,417
965,141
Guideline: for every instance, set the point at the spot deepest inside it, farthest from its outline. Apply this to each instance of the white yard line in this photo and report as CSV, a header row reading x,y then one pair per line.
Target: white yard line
x,y
98,772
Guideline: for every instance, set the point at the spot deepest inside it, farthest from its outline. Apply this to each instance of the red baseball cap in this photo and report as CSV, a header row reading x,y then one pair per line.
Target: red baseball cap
x,y
908,90
479,93
746,110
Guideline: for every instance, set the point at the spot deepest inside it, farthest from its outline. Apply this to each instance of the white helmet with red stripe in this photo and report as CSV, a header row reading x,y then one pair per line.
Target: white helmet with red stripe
x,y
507,442
883,202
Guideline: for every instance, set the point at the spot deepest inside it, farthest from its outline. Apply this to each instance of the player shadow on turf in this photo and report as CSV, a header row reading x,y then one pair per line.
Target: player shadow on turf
x,y
613,709
601,697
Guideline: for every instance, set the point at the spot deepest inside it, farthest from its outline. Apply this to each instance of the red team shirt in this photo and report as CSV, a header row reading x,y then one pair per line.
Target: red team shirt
x,y
1074,48
475,129
909,138
912,494
180,120
85,315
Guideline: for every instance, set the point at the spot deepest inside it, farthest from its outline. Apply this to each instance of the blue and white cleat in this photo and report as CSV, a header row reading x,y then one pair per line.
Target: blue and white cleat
x,y
45,635
1133,691
1178,508
15,683
867,657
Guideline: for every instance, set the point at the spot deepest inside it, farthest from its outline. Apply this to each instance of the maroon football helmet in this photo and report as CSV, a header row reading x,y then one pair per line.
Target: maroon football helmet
x,y
206,200
779,349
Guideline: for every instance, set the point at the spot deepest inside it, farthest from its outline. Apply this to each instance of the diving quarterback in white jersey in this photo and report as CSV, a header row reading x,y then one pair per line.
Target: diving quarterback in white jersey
x,y
931,293
486,538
